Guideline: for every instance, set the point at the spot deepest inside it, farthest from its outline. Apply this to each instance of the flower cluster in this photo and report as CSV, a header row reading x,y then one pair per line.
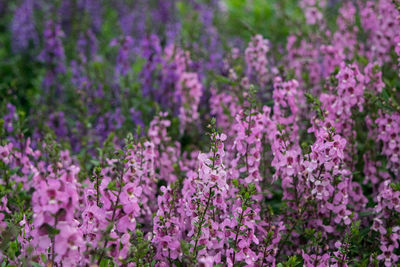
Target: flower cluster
x,y
53,53
190,90
256,59
389,231
54,205
389,133
23,27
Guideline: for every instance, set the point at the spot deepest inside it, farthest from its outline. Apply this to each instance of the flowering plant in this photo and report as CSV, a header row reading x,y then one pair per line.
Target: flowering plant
x,y
199,133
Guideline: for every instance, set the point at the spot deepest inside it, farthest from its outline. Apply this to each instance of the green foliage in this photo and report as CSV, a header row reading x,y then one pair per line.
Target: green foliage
x,y
291,262
273,19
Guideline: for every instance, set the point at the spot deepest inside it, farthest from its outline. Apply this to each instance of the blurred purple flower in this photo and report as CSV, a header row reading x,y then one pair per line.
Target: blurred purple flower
x,y
94,10
23,27
123,64
53,52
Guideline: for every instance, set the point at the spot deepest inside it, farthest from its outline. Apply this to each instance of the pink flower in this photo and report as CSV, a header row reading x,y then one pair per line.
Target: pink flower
x,y
378,226
129,198
321,189
387,255
206,261
69,245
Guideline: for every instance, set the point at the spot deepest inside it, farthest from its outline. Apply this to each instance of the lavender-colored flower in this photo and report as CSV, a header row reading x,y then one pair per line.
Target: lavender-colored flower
x,y
136,116
53,52
10,118
151,51
23,27
58,123
132,19
123,64
87,45
94,10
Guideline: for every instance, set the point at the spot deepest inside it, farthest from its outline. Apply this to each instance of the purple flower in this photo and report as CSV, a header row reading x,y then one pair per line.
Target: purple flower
x,y
23,27
53,53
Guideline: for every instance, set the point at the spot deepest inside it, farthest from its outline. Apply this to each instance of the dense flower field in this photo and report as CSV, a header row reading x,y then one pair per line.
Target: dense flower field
x,y
199,133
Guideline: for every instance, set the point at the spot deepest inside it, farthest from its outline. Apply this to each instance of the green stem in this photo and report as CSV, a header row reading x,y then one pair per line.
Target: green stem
x,y
112,221
202,219
238,231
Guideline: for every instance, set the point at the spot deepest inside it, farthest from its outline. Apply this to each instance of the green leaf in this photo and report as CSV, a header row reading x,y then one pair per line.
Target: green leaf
x,y
112,185
51,230
104,263
185,247
43,257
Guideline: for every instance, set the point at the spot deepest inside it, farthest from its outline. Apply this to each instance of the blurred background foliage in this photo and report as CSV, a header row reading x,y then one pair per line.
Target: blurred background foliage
x,y
21,74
